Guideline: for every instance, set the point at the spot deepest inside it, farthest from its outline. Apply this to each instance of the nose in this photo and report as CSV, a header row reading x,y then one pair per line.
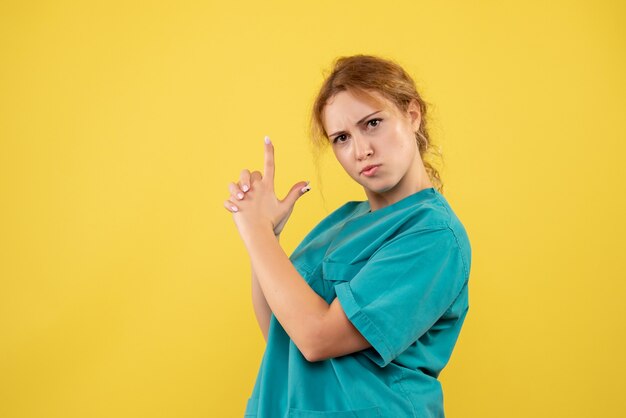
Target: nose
x,y
362,147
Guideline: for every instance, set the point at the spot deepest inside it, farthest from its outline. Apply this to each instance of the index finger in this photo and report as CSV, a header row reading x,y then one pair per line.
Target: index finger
x,y
269,161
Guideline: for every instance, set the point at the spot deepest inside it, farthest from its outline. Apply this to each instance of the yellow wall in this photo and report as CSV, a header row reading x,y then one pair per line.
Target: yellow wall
x,y
124,286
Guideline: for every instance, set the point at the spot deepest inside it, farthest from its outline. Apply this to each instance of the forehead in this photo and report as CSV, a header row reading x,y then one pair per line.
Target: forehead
x,y
347,107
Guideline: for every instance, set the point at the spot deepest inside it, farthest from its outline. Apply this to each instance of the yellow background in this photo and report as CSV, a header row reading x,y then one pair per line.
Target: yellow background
x,y
124,286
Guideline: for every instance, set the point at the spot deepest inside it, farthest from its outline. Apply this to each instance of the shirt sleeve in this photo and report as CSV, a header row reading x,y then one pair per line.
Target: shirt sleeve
x,y
403,289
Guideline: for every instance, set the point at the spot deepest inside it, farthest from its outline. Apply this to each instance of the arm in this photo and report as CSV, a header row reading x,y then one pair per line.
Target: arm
x,y
337,336
305,316
319,331
261,308
296,306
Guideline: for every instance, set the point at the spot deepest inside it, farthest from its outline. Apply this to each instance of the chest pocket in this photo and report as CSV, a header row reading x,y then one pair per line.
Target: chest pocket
x,y
333,271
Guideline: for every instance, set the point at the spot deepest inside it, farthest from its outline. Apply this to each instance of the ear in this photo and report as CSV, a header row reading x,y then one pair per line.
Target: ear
x,y
414,114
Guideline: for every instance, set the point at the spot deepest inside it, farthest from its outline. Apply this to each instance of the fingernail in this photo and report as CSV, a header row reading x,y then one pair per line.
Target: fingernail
x,y
234,208
267,139
240,195
245,188
306,188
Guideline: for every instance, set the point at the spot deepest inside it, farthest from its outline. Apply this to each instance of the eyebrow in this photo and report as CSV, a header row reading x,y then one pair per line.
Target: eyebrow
x,y
356,124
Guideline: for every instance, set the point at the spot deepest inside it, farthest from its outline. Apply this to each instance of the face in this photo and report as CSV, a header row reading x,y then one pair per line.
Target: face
x,y
364,133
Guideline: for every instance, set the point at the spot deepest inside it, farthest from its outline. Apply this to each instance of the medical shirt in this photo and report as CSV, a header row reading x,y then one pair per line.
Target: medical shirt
x,y
401,276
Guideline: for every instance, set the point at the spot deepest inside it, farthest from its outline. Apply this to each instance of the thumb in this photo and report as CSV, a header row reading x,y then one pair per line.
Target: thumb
x,y
296,191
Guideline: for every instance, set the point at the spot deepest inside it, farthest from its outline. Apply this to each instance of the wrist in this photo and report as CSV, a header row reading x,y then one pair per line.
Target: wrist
x,y
258,238
253,231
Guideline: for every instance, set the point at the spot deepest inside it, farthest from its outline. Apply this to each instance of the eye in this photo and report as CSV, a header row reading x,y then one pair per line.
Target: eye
x,y
377,120
337,137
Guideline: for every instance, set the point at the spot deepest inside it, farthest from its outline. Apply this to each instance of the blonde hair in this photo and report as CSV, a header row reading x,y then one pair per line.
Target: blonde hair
x,y
362,74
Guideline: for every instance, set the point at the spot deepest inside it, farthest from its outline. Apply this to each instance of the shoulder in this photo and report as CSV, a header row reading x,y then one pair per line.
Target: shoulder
x,y
436,214
425,218
425,209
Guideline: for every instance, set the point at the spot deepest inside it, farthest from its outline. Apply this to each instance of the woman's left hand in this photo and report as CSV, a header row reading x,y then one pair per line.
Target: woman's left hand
x,y
260,207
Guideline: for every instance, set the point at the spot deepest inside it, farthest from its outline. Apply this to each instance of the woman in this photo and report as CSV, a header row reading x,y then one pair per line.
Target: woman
x,y
363,316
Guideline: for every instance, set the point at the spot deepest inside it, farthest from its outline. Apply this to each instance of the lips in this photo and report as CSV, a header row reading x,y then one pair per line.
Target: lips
x,y
368,167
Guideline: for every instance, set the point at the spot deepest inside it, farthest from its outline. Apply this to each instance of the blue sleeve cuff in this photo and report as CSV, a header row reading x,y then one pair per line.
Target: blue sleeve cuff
x,y
383,354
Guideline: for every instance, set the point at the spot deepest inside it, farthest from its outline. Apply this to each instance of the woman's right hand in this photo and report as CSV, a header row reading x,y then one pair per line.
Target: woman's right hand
x,y
239,189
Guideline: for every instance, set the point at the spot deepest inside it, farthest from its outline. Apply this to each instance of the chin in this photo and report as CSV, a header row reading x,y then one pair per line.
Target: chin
x,y
376,185
381,189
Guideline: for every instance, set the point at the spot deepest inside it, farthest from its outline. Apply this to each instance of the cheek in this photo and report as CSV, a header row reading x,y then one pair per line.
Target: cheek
x,y
340,155
405,139
401,133
346,161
